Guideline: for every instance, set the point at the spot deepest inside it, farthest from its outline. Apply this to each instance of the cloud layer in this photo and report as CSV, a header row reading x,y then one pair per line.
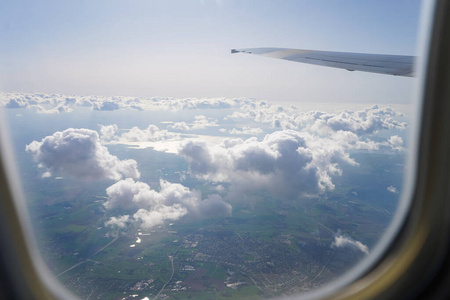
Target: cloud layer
x,y
78,153
57,103
283,150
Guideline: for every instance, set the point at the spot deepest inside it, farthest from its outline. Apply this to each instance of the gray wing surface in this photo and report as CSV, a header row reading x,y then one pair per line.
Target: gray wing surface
x,y
399,65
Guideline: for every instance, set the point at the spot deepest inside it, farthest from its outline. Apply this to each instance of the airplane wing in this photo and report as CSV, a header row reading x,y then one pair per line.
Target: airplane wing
x,y
399,65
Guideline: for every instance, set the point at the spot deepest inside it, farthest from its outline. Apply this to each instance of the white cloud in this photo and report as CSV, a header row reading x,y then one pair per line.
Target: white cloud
x,y
200,122
108,132
119,222
264,112
106,105
128,194
148,207
46,174
150,137
396,142
57,102
363,122
55,110
151,133
150,218
289,163
78,153
183,126
247,131
367,121
43,103
16,103
342,241
392,189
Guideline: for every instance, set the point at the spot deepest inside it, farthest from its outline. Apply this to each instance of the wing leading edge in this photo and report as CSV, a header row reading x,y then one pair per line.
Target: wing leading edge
x,y
399,65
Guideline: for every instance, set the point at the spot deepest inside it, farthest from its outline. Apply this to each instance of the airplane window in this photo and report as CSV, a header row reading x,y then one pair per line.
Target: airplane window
x,y
158,165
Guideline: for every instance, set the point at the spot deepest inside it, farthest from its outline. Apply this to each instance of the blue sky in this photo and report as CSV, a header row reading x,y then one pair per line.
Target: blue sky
x,y
181,48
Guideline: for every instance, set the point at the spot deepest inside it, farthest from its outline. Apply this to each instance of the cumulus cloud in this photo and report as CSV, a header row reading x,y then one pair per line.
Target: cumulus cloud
x,y
362,122
78,153
150,134
16,103
173,104
43,103
147,219
264,112
247,131
342,241
200,122
367,121
205,103
288,162
183,126
128,194
118,222
108,132
46,174
106,105
396,142
58,102
53,110
148,208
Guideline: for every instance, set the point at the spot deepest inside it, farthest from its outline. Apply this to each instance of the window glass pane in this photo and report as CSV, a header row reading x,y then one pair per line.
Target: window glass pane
x,y
157,165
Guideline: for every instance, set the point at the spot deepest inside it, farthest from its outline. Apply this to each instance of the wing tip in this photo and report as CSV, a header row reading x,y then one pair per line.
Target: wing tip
x,y
240,51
